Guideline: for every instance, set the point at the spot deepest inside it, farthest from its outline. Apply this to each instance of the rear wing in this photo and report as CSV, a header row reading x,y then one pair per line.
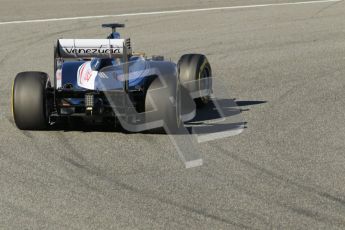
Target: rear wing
x,y
93,48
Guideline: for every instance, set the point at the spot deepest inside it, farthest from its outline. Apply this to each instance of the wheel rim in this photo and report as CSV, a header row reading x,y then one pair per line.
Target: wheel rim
x,y
178,103
205,84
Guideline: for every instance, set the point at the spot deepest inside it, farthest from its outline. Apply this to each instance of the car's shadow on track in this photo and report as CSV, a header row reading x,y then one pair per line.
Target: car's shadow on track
x,y
80,125
207,116
219,119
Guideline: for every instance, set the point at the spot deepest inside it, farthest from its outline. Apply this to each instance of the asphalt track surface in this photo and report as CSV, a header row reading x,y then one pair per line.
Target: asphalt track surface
x,y
285,171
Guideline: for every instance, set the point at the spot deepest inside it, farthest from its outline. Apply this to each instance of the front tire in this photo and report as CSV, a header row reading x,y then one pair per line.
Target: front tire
x,y
29,100
166,102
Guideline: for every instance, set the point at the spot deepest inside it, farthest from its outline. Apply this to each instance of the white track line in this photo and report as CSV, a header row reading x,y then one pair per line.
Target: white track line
x,y
169,12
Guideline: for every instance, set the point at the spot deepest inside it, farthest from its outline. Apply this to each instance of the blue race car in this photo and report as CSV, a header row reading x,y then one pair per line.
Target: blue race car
x,y
104,79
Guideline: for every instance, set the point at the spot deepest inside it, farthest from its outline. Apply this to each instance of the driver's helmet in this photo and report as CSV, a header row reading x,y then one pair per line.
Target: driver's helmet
x,y
114,35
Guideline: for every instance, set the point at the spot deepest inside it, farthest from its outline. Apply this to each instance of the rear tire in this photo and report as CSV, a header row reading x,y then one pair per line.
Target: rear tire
x,y
194,67
29,100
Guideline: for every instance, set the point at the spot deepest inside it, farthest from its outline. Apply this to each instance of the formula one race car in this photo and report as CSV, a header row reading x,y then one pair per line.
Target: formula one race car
x,y
103,79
